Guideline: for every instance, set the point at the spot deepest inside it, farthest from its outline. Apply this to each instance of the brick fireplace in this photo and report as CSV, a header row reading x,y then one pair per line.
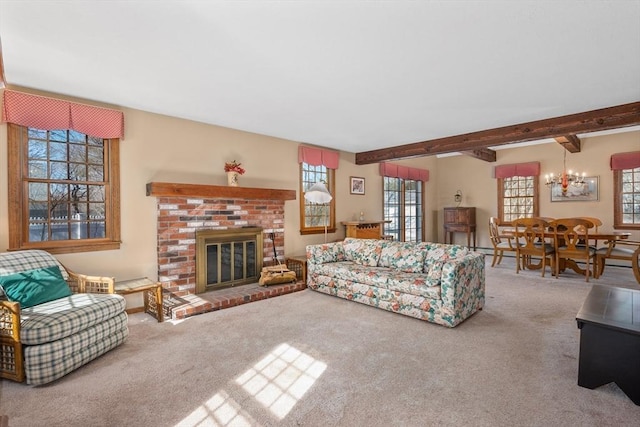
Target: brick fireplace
x,y
184,209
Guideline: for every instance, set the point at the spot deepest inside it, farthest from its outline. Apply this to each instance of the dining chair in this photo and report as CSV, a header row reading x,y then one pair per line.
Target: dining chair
x,y
571,242
595,221
626,250
530,233
500,242
596,226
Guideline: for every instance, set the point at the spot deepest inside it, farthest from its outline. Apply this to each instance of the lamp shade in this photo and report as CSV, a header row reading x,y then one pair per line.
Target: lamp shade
x,y
318,193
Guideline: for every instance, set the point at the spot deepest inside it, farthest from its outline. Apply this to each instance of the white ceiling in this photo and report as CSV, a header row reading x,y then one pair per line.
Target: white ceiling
x,y
350,75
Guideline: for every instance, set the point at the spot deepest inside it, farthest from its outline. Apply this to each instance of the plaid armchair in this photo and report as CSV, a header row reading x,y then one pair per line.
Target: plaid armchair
x,y
43,341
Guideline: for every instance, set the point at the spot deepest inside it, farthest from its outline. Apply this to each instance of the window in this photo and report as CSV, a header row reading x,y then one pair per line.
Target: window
x,y
626,198
64,190
403,206
517,198
314,217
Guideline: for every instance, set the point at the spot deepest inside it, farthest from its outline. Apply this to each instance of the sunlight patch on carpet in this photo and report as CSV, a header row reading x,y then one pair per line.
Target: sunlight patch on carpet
x,y
220,410
280,379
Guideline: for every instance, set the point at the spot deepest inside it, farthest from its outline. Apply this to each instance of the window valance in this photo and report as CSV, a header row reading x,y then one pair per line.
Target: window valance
x,y
630,160
517,169
42,112
397,171
318,156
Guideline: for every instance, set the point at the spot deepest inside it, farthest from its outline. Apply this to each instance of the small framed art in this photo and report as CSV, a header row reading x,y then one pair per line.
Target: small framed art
x,y
356,185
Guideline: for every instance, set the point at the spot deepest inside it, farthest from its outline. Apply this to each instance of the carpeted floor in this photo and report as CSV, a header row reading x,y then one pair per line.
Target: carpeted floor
x,y
314,360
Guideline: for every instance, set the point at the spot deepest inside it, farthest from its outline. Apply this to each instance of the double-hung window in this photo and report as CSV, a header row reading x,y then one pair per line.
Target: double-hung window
x,y
64,183
317,166
518,191
314,217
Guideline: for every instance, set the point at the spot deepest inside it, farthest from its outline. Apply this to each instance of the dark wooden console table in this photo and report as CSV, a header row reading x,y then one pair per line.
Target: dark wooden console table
x,y
460,220
609,323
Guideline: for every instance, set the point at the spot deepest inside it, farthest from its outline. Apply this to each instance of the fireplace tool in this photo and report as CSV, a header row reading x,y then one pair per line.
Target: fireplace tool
x,y
278,273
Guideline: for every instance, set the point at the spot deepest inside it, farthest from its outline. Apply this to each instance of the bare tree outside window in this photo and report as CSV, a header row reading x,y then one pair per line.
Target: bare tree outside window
x,y
66,179
68,190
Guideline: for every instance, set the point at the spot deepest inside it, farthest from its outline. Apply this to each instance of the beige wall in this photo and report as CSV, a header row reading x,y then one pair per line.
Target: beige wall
x,y
475,179
160,148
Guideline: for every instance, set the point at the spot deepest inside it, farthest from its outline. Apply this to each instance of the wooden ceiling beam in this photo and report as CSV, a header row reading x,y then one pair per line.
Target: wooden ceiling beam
x,y
589,121
571,143
483,154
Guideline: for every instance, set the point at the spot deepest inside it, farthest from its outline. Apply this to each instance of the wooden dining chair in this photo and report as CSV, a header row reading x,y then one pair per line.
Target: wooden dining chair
x,y
500,242
595,221
596,226
625,250
532,243
571,242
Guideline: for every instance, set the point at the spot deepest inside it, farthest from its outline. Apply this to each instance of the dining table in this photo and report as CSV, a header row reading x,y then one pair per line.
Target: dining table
x,y
605,236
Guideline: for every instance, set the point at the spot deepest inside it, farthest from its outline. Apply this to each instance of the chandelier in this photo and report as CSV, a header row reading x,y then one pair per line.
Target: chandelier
x,y
566,178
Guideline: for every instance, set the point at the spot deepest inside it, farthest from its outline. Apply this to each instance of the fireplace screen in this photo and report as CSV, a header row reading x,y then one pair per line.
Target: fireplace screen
x,y
227,258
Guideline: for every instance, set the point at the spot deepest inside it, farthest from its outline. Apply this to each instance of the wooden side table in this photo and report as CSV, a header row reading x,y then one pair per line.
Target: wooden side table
x,y
460,220
298,264
152,294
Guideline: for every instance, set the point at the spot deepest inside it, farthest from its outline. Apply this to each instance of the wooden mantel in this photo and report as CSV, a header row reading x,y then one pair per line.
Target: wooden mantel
x,y
168,189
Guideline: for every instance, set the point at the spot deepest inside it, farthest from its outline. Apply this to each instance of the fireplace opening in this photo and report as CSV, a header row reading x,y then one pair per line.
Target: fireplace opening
x,y
226,258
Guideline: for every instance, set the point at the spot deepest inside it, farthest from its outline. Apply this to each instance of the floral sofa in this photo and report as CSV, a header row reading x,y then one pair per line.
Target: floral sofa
x,y
439,283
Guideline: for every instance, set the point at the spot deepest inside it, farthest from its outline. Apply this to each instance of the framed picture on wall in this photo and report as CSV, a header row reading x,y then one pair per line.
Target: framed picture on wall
x,y
587,192
356,185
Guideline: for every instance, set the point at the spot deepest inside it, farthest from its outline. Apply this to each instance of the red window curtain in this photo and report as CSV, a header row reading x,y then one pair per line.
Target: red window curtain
x,y
318,156
397,171
46,113
517,169
629,160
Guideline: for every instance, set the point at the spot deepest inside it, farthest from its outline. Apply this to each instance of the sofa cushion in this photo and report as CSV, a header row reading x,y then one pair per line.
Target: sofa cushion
x,y
63,317
35,286
441,253
403,256
380,277
362,251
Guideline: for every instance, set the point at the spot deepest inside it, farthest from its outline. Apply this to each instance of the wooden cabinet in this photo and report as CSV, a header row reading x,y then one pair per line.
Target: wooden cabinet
x,y
460,220
364,229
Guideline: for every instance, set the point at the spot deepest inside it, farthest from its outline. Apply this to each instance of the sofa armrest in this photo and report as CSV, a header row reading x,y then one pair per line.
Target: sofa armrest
x,y
324,253
81,283
463,283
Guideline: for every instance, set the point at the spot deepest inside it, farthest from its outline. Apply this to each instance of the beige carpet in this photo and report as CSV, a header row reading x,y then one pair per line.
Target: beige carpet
x,y
314,360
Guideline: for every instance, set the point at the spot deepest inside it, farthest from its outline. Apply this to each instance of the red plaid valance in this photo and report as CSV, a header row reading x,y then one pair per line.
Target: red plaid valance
x,y
46,113
629,160
316,157
517,169
397,171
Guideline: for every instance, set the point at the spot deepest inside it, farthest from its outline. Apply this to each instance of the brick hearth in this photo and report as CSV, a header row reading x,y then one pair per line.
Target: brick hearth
x,y
189,305
185,208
